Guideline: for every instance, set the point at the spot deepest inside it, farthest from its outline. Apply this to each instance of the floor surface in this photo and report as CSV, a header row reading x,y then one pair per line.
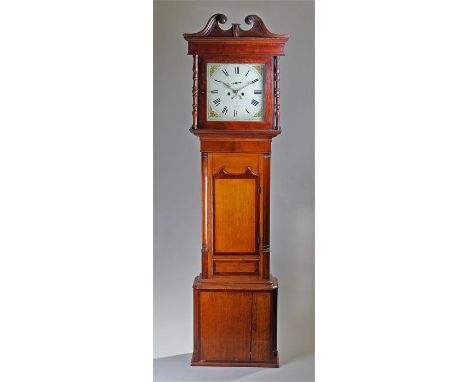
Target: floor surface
x,y
177,368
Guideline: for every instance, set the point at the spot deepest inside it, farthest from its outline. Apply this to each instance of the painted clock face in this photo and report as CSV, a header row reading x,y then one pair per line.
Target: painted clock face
x,y
235,92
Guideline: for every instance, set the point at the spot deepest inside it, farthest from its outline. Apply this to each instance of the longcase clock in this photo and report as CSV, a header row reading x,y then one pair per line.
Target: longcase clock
x,y
236,113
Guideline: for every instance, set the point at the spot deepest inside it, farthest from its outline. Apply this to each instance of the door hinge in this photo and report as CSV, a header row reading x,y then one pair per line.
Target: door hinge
x,y
259,189
258,240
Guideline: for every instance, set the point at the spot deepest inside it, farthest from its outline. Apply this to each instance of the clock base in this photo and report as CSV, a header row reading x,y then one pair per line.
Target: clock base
x,y
235,323
273,364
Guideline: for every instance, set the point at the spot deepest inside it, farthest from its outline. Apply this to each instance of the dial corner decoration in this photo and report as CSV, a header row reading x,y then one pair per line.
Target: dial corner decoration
x,y
235,92
212,113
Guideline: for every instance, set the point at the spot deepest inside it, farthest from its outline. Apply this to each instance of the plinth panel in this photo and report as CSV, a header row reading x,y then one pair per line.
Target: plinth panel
x,y
225,325
235,325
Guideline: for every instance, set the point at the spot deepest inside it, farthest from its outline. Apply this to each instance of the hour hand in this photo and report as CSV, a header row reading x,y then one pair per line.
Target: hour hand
x,y
225,84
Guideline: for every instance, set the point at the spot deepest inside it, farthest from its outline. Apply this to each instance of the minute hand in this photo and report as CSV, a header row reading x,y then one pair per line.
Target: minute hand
x,y
227,85
247,84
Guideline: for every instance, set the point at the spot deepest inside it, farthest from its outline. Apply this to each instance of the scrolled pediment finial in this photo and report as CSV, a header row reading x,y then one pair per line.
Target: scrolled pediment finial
x,y
212,28
213,23
258,27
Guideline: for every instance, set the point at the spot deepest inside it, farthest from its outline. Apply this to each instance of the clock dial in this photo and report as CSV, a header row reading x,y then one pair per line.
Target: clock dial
x,y
235,92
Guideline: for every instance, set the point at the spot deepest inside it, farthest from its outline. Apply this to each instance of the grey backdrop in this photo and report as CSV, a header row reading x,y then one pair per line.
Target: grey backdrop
x,y
177,173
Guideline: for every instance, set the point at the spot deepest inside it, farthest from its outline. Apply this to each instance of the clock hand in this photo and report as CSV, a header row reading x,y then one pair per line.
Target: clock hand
x,y
225,84
235,94
235,91
242,87
247,84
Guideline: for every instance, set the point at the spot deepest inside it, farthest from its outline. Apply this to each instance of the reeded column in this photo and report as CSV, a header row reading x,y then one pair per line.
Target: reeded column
x,y
195,92
276,92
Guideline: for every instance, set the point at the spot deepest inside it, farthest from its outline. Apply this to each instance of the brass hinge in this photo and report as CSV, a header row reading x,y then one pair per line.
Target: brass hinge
x,y
259,189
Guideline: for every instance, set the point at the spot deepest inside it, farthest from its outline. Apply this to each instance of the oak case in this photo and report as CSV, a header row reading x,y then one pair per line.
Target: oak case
x,y
235,296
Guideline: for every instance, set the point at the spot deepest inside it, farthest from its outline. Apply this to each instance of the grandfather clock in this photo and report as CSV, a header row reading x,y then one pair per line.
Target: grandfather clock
x,y
236,113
